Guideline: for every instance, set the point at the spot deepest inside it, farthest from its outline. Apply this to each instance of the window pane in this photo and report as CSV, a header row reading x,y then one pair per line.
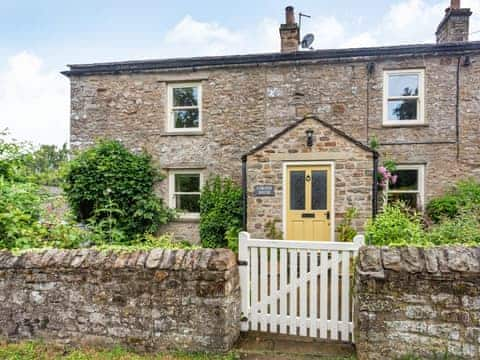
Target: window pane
x,y
186,118
188,203
402,109
406,180
403,85
410,199
185,96
187,183
297,190
319,190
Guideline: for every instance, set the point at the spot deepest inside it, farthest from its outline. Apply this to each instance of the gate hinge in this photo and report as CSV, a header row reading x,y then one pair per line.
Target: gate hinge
x,y
242,263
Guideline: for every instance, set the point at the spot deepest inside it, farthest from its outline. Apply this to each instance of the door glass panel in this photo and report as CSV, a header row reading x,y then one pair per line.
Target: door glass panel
x,y
319,190
297,190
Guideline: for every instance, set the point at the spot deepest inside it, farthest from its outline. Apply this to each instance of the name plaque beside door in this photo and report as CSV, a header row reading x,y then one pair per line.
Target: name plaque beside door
x,y
264,190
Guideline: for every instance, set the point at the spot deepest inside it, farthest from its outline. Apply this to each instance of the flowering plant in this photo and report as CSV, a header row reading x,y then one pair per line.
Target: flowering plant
x,y
386,177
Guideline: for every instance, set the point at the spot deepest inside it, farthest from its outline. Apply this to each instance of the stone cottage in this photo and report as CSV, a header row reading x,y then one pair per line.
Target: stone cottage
x,y
294,127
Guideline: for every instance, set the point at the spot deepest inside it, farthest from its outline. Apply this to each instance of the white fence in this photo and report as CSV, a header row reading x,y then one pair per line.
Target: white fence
x,y
297,287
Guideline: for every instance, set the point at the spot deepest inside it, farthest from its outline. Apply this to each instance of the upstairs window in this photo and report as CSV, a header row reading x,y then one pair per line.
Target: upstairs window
x,y
403,97
184,107
409,186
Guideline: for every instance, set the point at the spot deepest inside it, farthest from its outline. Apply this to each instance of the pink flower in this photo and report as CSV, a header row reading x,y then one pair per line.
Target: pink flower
x,y
394,179
382,170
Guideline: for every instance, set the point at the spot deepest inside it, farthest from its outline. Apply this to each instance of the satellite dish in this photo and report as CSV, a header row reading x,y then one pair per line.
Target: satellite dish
x,y
307,41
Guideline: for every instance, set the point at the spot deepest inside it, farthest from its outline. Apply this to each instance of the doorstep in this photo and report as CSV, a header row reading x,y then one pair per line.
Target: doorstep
x,y
263,346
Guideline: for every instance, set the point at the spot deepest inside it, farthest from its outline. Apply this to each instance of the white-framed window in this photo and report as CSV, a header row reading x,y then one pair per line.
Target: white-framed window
x,y
409,187
184,107
184,191
403,97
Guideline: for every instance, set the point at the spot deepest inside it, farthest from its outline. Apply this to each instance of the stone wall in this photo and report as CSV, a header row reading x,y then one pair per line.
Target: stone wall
x,y
352,167
417,301
244,105
156,300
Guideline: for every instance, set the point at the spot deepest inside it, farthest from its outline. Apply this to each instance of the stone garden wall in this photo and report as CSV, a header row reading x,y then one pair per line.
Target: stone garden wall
x,y
156,300
418,301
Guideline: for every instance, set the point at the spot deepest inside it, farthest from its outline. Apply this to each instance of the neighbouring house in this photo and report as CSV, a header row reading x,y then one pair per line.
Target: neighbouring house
x,y
294,127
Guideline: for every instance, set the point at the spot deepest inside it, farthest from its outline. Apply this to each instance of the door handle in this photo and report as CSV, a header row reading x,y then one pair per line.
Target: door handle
x,y
328,215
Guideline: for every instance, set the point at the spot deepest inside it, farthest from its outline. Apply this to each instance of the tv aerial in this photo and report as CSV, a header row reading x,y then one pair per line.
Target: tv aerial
x,y
309,38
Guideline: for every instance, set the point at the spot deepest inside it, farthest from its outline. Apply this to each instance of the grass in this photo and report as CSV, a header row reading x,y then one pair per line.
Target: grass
x,y
41,351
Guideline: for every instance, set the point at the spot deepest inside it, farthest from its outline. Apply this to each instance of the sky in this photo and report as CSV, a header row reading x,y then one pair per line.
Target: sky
x,y
39,38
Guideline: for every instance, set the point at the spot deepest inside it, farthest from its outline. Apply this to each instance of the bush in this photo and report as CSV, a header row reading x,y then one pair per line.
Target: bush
x,y
396,225
19,214
42,166
220,211
108,183
346,232
464,229
463,196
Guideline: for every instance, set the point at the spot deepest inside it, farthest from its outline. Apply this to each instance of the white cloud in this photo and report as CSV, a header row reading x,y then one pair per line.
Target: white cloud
x,y
415,21
190,37
34,103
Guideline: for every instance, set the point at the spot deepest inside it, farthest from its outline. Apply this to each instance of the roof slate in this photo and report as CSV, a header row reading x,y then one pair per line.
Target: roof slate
x,y
195,63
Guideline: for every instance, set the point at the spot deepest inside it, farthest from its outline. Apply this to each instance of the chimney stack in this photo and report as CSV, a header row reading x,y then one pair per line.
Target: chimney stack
x,y
455,25
289,32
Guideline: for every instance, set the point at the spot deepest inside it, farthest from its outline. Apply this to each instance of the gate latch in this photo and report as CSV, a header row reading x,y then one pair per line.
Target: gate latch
x,y
242,263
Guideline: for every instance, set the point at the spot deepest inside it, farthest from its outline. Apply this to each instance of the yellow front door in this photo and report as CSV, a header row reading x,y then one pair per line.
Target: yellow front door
x,y
308,203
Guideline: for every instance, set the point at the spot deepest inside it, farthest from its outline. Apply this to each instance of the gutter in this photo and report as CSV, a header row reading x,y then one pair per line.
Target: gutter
x,y
317,56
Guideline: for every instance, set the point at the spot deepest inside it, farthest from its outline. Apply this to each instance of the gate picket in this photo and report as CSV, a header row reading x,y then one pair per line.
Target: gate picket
x,y
286,289
283,291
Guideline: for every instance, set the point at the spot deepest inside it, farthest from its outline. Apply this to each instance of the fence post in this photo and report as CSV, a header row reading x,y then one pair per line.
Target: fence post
x,y
244,266
359,240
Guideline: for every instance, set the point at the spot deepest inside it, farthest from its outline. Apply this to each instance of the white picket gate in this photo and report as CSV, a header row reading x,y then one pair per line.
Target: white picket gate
x,y
297,287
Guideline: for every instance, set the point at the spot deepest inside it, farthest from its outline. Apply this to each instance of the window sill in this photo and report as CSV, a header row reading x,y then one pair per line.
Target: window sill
x,y
191,218
183,133
401,125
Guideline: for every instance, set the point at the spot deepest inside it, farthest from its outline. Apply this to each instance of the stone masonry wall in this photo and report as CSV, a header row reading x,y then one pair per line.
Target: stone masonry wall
x,y
149,301
414,301
243,106
353,168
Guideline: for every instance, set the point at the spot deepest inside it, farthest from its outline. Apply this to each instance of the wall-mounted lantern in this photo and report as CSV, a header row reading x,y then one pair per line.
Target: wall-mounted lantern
x,y
309,133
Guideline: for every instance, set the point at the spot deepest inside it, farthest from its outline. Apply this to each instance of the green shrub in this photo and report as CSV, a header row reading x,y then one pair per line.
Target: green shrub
x,y
220,211
346,232
396,225
463,229
19,214
442,207
271,230
108,176
42,165
231,236
463,196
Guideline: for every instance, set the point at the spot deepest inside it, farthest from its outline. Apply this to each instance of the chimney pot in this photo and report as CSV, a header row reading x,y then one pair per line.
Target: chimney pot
x,y
455,4
289,15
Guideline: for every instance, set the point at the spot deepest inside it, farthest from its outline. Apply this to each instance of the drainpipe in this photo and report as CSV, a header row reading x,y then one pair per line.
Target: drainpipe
x,y
244,192
457,109
375,186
